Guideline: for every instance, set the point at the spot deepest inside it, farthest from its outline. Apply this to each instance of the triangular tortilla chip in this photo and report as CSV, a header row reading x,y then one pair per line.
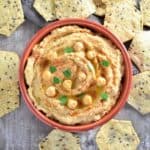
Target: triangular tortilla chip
x,y
45,8
74,8
140,94
11,14
123,19
117,135
139,50
9,90
59,140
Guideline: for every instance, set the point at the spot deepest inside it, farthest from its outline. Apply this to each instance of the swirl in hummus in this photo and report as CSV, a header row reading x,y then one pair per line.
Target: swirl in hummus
x,y
74,75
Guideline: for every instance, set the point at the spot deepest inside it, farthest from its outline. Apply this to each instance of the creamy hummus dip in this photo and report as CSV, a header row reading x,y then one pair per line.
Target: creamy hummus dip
x,y
74,75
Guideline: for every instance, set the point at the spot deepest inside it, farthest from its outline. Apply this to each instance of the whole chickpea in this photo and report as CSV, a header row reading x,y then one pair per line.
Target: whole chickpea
x,y
87,100
72,104
91,54
46,75
79,46
101,81
67,84
51,91
81,76
81,54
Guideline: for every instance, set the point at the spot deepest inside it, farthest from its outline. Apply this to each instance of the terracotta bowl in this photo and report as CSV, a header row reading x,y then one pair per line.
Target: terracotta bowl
x,y
98,28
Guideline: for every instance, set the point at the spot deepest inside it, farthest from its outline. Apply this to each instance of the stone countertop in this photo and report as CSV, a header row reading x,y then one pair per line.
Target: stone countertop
x,y
20,130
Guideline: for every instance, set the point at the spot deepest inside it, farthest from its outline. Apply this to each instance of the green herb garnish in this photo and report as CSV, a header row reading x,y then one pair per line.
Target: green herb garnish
x,y
68,50
52,69
105,63
56,80
67,73
104,96
63,100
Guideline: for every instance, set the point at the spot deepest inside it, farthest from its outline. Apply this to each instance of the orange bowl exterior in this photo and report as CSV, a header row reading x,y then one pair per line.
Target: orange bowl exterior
x,y
98,28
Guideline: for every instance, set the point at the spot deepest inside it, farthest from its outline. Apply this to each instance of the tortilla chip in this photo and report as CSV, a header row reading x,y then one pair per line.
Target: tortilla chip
x,y
102,4
45,8
123,19
140,94
11,15
74,8
9,90
100,7
115,1
9,63
9,97
139,50
145,8
59,140
117,135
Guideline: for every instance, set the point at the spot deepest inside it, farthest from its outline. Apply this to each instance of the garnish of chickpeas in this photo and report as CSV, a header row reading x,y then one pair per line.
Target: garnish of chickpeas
x,y
87,100
91,54
67,84
72,104
51,91
101,81
81,53
79,46
46,75
81,76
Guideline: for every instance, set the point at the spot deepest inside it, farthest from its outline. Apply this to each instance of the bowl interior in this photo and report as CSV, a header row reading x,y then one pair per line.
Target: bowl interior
x,y
126,82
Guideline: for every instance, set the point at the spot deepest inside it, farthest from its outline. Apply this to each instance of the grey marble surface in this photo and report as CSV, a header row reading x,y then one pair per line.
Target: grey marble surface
x,y
20,130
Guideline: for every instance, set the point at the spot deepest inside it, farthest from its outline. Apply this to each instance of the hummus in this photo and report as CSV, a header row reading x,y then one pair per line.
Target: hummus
x,y
74,75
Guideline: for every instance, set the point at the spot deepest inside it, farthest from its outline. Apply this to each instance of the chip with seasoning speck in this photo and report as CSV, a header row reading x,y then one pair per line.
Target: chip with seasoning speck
x,y
123,19
11,14
60,140
139,97
139,50
145,9
45,8
9,89
117,135
74,8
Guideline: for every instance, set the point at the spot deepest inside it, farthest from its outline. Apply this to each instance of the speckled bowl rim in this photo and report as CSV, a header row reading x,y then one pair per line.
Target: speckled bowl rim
x,y
127,81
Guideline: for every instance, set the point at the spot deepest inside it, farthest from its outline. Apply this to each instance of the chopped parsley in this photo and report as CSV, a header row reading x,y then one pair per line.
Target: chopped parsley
x,y
105,63
56,80
63,100
104,96
67,73
68,50
52,69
